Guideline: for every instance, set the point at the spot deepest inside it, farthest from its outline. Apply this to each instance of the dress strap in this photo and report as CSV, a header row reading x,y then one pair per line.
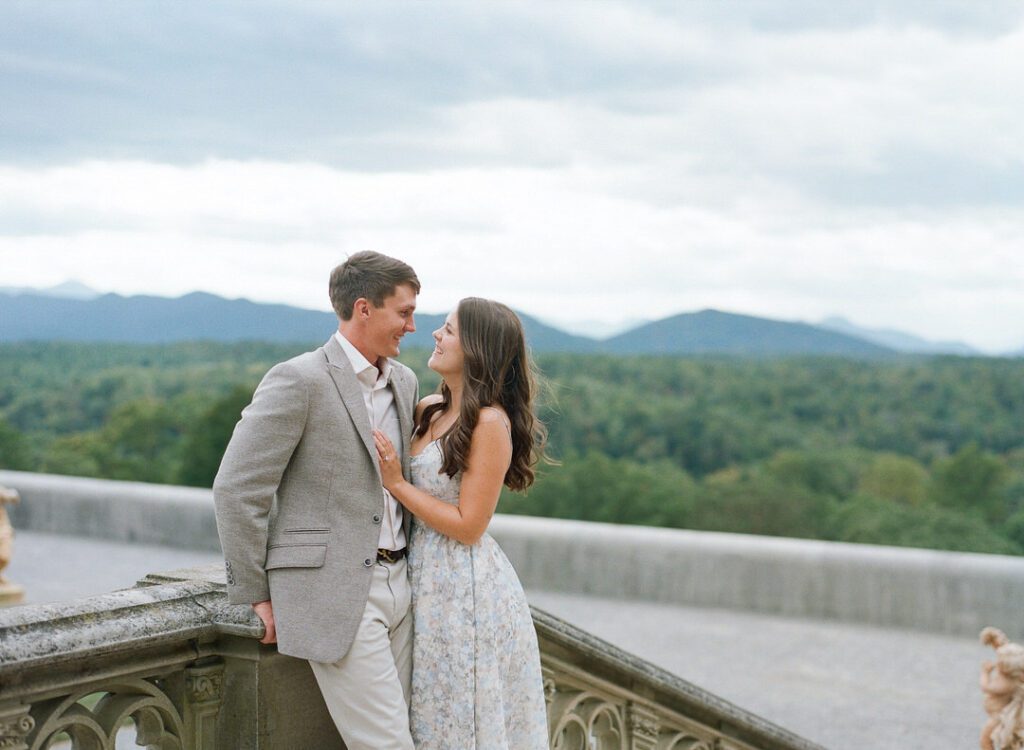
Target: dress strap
x,y
505,421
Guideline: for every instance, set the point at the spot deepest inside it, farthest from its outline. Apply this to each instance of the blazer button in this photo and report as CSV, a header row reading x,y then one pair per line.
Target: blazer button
x,y
367,563
376,518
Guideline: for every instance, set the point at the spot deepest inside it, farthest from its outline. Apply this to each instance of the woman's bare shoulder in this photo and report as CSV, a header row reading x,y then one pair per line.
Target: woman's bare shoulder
x,y
491,414
492,437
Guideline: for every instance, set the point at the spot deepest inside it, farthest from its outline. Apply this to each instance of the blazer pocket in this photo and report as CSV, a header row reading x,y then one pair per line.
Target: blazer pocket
x,y
296,556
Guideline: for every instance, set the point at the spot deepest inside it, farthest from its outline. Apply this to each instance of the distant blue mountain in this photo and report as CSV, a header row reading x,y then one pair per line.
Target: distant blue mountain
x,y
541,337
112,317
27,316
70,288
713,331
898,340
202,316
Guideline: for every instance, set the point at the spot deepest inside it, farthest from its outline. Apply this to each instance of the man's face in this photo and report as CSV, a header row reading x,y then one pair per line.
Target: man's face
x,y
392,320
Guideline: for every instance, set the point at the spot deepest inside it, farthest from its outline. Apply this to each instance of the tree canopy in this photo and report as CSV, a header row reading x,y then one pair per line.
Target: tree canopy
x,y
915,451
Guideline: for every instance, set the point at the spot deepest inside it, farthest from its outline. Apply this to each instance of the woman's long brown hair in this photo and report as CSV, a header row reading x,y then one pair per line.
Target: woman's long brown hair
x,y
496,372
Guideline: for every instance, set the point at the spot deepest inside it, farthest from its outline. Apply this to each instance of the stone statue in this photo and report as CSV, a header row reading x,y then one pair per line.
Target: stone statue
x,y
1003,685
10,593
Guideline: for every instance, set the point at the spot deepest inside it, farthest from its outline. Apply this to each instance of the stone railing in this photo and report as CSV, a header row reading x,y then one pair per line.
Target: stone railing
x,y
171,665
602,698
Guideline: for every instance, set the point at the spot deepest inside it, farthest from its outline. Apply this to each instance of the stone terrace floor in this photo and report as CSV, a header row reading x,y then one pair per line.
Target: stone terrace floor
x,y
848,687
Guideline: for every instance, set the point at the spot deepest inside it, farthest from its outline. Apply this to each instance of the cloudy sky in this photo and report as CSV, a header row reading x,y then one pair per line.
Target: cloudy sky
x,y
590,161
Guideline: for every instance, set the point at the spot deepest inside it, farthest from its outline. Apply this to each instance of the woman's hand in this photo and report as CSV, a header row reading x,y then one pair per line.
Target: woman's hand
x,y
465,521
390,466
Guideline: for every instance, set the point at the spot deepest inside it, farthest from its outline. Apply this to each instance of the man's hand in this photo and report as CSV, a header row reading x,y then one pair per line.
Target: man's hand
x,y
265,610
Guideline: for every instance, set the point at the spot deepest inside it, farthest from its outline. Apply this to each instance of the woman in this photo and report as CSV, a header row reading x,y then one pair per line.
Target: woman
x,y
476,668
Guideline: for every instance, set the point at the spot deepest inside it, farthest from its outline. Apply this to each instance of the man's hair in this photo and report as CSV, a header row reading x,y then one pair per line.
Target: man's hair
x,y
370,275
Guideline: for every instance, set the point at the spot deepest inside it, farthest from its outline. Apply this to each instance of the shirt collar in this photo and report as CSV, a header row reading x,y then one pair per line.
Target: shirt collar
x,y
366,372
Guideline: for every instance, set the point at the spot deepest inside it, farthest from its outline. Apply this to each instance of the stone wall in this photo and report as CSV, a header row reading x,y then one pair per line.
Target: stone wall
x,y
954,593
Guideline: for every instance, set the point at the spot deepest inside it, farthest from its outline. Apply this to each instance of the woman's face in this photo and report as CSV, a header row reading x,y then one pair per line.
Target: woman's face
x,y
447,359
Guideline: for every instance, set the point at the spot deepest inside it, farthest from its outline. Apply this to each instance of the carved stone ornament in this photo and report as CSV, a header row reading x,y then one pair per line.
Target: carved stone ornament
x,y
157,722
204,685
10,593
581,720
550,686
643,723
1002,682
15,729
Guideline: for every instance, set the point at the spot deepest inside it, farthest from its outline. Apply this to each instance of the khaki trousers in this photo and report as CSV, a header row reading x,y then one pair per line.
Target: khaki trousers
x,y
367,690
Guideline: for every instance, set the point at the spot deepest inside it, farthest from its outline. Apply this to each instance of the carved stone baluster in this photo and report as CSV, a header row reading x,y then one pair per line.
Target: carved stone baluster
x,y
569,730
203,693
66,715
606,726
643,726
550,691
157,721
550,687
15,725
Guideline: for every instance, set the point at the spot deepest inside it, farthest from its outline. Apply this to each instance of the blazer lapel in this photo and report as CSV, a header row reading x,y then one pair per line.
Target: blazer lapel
x,y
405,409
403,400
351,394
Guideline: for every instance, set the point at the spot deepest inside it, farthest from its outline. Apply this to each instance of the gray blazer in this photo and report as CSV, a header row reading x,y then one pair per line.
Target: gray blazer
x,y
299,499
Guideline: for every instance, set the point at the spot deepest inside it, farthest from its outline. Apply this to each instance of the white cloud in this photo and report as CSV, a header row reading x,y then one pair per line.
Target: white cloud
x,y
585,160
544,240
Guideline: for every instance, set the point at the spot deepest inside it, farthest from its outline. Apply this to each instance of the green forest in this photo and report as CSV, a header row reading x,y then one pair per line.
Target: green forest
x,y
924,452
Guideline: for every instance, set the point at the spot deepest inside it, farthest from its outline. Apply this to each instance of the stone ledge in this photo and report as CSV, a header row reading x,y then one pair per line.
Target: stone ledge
x,y
185,606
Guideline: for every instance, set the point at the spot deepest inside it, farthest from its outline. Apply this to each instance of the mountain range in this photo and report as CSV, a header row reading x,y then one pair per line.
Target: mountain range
x,y
72,289
72,312
899,340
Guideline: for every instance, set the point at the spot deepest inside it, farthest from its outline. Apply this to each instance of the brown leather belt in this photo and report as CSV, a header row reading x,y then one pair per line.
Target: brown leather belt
x,y
390,555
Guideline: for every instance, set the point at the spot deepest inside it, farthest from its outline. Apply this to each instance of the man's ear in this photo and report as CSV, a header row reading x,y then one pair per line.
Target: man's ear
x,y
361,309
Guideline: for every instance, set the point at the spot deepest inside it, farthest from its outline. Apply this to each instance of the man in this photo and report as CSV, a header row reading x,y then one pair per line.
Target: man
x,y
310,537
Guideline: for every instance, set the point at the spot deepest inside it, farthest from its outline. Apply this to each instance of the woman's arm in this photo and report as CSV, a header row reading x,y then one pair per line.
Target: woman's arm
x,y
490,453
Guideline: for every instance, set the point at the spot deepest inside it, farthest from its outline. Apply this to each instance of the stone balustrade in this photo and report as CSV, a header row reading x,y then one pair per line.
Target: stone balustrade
x,y
171,665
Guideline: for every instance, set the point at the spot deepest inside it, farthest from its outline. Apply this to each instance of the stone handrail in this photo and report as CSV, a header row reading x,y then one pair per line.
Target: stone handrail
x,y
172,663
148,653
600,692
